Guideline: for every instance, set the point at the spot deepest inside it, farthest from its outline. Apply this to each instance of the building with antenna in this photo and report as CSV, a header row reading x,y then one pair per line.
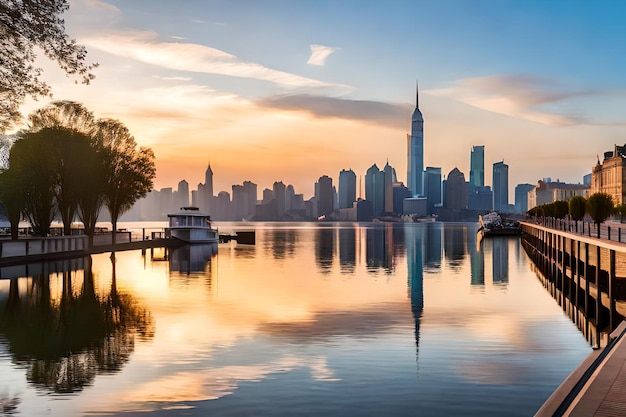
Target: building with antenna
x,y
415,151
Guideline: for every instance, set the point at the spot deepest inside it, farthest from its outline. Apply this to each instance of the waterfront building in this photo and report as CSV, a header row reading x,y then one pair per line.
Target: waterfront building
x,y
456,190
550,191
400,193
609,176
415,151
500,186
375,189
479,198
477,166
432,188
521,197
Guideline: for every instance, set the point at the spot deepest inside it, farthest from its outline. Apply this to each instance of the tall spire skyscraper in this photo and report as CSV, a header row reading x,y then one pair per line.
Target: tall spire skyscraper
x,y
415,150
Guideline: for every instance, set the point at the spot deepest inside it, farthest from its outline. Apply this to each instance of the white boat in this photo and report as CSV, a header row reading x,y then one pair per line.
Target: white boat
x,y
192,226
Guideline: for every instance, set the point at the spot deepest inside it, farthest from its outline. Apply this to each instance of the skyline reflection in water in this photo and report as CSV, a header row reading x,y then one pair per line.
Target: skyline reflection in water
x,y
339,319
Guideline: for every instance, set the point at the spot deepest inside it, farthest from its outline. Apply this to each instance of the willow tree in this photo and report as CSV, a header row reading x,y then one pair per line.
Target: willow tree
x,y
29,27
129,170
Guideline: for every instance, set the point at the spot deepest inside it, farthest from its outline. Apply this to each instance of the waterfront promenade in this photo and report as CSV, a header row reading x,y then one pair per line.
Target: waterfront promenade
x,y
597,387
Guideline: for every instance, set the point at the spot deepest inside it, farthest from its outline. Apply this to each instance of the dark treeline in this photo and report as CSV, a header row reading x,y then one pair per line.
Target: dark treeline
x,y
70,164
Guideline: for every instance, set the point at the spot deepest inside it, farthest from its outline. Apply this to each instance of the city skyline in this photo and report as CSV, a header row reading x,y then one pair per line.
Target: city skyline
x,y
274,91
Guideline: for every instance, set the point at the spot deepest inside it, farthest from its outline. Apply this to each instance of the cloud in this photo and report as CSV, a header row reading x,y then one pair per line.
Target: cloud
x,y
143,46
541,100
330,107
319,54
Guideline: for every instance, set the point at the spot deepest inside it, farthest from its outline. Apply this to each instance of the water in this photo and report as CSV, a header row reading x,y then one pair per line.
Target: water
x,y
315,319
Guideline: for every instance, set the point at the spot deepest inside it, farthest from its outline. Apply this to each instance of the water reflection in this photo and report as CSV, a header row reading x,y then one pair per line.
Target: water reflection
x,y
325,248
455,245
64,340
347,250
192,259
414,243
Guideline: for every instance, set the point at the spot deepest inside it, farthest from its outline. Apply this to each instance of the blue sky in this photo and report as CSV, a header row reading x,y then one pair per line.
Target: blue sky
x,y
292,90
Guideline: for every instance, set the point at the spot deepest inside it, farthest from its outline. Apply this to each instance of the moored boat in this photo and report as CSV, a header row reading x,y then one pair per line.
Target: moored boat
x,y
192,226
493,224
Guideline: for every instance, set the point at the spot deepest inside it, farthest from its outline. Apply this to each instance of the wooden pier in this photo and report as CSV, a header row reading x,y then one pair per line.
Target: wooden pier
x,y
587,277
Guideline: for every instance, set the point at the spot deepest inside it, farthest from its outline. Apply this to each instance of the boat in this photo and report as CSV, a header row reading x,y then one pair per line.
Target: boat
x,y
191,226
493,224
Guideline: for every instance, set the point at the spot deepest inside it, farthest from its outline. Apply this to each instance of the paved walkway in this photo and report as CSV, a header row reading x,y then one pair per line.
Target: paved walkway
x,y
597,387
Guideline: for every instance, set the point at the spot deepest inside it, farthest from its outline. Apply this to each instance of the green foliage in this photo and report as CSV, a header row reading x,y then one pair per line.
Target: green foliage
x,y
73,163
32,169
13,199
577,207
561,208
621,210
130,171
600,207
26,27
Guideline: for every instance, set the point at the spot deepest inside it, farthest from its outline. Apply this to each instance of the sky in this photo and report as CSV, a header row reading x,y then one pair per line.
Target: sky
x,y
281,90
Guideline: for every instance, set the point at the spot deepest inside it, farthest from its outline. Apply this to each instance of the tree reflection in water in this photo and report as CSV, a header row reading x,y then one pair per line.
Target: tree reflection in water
x,y
64,344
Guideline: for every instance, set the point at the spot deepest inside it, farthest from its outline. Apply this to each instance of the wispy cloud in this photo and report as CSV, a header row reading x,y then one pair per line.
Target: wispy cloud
x,y
526,97
145,47
319,54
330,107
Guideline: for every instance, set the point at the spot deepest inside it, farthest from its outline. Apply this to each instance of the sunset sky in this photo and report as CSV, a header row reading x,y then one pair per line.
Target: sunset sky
x,y
292,90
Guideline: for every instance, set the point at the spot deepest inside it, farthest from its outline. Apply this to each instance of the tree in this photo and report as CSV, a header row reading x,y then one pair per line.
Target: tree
x,y
32,167
24,26
71,128
130,171
600,207
561,209
13,199
70,149
621,210
577,207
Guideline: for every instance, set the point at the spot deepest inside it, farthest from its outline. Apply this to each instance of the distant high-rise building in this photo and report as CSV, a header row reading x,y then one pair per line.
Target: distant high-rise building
x,y
289,193
389,180
456,190
477,167
375,189
432,187
325,196
521,197
279,196
415,151
205,191
500,186
183,194
347,188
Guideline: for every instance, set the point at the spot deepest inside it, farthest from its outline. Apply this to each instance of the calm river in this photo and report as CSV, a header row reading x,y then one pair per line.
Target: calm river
x,y
313,320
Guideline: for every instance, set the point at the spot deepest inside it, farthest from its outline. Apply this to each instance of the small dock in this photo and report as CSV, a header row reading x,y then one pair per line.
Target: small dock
x,y
597,388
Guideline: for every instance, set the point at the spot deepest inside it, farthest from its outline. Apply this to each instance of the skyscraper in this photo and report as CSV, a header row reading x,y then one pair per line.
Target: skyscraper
x,y
347,188
477,167
325,202
456,190
415,151
375,189
500,186
432,186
